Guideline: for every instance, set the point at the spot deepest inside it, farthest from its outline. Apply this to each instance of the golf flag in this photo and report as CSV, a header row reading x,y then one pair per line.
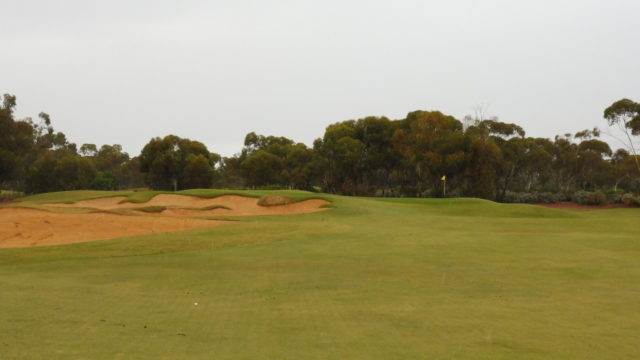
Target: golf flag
x,y
444,178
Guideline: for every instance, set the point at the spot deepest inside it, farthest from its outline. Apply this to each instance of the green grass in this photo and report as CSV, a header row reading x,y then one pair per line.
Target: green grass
x,y
368,279
152,209
9,195
212,207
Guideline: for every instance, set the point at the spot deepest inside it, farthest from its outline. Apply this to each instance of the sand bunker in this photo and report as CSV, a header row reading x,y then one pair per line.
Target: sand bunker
x,y
245,208
181,205
21,227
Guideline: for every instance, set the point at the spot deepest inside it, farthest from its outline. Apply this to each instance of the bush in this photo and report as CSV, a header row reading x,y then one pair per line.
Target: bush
x,y
104,181
589,198
615,197
631,200
7,196
533,197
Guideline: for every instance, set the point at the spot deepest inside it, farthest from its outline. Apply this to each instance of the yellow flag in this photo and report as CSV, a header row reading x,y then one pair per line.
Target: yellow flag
x,y
444,178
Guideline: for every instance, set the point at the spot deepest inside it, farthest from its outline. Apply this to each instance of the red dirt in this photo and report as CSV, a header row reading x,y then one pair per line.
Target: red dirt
x,y
575,206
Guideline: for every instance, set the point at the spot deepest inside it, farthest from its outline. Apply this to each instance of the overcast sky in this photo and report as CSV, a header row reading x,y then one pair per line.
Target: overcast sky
x,y
125,71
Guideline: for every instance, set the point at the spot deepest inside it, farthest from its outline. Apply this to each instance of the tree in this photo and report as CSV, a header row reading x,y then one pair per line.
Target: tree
x,y
378,161
271,160
482,160
163,162
344,158
130,176
16,143
198,172
431,145
624,169
625,114
60,169
88,150
262,168
104,181
298,167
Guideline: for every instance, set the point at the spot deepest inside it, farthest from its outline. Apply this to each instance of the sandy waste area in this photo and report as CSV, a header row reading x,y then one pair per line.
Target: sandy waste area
x,y
109,218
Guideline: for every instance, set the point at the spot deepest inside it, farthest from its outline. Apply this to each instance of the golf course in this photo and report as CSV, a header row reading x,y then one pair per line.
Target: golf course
x,y
314,276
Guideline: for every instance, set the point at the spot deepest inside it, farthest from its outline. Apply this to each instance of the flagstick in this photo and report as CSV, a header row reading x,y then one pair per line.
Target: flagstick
x,y
444,188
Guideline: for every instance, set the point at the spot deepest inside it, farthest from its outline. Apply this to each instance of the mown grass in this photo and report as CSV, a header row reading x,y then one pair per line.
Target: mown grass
x,y
368,279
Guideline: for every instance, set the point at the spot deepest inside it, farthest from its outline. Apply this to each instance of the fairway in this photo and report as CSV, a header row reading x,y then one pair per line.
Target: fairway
x,y
368,278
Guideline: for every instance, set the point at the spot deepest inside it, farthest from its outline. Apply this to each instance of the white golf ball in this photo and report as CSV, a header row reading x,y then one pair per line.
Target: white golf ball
x,y
195,304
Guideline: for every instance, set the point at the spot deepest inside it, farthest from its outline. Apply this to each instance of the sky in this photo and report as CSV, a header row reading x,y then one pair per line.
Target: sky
x,y
126,71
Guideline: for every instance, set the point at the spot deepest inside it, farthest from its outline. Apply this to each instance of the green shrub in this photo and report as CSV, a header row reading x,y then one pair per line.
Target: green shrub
x,y
615,197
8,195
104,181
589,197
631,200
533,197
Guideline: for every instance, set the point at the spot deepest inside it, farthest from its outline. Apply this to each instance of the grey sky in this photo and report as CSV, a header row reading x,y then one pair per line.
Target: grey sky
x,y
125,71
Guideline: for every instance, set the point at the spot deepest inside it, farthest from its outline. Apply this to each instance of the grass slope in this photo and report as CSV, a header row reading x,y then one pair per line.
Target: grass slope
x,y
369,279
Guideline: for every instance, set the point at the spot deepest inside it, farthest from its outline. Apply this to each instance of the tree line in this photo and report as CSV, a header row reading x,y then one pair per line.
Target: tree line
x,y
372,156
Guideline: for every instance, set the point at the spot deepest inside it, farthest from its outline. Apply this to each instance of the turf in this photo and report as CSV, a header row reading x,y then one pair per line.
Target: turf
x,y
367,279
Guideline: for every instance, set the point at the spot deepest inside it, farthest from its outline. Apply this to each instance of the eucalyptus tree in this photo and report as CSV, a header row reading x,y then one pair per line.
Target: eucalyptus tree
x,y
625,115
163,162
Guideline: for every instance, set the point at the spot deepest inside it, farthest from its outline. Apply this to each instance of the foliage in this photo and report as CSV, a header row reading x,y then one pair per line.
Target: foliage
x,y
173,163
631,200
104,181
625,114
589,197
60,169
372,156
535,197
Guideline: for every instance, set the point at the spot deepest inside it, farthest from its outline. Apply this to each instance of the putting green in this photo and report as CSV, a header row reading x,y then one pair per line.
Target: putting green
x,y
369,279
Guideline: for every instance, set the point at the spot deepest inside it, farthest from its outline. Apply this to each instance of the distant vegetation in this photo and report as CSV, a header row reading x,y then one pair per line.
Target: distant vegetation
x,y
373,156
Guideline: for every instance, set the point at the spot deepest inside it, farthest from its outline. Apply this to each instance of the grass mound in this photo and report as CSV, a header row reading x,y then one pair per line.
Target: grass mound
x,y
274,200
152,209
212,207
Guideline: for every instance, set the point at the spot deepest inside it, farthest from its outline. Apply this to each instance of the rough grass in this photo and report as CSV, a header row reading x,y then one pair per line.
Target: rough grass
x,y
369,279
274,200
212,207
151,209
